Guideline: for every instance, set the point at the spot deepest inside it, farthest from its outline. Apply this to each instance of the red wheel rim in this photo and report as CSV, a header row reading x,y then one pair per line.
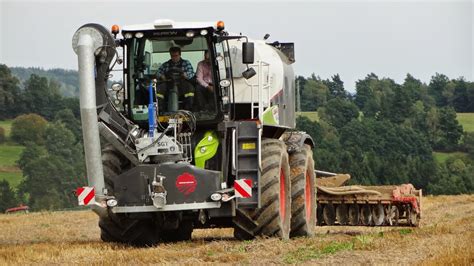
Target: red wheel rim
x,y
308,197
282,196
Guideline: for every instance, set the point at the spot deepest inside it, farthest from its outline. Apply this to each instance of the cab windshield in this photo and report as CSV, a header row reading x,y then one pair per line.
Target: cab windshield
x,y
175,83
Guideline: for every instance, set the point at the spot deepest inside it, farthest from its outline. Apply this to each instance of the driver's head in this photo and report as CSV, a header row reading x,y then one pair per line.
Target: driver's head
x,y
175,54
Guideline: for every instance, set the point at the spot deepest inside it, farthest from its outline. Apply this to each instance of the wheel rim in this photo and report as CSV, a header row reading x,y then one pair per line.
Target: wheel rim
x,y
308,198
282,196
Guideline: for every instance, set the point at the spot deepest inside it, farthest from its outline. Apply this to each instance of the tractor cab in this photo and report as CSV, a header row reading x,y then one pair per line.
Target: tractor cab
x,y
174,84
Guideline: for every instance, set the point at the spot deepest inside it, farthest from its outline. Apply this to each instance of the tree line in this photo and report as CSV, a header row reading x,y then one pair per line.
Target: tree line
x,y
385,133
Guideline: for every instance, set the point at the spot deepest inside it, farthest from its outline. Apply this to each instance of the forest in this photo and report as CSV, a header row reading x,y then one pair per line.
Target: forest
x,y
383,133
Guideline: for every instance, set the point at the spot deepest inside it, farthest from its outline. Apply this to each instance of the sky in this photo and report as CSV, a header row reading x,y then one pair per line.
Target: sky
x,y
351,38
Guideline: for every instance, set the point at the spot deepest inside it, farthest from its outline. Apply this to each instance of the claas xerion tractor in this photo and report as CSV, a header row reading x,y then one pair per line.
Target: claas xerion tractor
x,y
159,169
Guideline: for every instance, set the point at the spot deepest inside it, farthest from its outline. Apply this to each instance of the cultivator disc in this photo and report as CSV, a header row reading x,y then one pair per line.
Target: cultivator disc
x,y
342,215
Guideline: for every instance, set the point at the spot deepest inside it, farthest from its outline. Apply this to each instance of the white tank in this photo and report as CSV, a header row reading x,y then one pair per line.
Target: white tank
x,y
274,79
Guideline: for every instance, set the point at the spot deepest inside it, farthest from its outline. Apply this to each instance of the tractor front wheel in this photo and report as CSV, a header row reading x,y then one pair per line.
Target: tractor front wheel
x,y
273,218
117,227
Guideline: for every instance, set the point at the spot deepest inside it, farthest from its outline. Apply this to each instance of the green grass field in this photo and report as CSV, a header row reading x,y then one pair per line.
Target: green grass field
x,y
7,125
441,157
467,121
313,116
9,154
13,178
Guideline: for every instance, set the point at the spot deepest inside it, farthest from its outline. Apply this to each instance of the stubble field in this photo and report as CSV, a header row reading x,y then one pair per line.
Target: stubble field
x,y
445,237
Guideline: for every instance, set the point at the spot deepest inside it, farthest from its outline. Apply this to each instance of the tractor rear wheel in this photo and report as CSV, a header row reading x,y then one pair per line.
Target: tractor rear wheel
x,y
273,218
303,204
119,227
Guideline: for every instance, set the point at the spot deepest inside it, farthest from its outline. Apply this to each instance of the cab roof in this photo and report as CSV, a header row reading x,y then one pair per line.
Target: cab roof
x,y
169,24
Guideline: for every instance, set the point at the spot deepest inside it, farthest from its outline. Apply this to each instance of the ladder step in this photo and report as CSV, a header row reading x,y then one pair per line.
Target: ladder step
x,y
247,137
247,170
247,154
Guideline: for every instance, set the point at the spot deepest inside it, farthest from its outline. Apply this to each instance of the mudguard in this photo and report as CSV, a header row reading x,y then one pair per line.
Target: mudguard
x,y
295,140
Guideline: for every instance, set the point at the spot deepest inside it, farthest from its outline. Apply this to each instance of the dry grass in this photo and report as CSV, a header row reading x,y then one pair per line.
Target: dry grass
x,y
445,237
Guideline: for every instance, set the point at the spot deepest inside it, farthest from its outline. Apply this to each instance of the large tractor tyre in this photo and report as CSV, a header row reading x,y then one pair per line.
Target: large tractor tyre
x,y
119,227
182,233
303,197
273,218
113,163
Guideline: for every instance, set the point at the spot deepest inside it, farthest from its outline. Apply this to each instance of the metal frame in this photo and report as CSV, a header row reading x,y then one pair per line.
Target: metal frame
x,y
169,207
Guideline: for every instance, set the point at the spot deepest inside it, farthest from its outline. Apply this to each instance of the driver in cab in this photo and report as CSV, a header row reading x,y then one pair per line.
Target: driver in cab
x,y
176,71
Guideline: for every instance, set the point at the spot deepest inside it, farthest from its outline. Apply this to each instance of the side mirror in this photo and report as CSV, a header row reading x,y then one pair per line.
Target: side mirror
x,y
247,53
247,74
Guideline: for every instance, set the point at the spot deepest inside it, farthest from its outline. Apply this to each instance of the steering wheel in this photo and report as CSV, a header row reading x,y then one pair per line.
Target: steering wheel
x,y
174,73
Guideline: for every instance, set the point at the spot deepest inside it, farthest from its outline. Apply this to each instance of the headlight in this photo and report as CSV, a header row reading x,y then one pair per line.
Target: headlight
x,y
116,87
112,202
216,197
190,34
224,83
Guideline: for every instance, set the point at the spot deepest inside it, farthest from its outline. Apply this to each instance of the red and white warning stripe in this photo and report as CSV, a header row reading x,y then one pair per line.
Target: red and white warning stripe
x,y
85,196
243,188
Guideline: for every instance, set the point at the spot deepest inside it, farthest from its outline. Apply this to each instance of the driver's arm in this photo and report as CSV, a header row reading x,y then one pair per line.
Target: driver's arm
x,y
162,70
188,69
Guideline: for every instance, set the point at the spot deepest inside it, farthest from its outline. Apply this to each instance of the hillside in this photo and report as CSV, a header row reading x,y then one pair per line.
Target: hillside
x,y
68,79
445,237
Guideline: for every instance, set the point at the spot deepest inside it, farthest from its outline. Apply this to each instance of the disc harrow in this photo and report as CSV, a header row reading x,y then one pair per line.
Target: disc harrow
x,y
390,205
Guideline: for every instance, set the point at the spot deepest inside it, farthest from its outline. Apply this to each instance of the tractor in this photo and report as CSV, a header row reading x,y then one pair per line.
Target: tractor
x,y
159,167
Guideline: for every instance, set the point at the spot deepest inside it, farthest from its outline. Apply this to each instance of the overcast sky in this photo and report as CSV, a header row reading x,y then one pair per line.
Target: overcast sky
x,y
352,38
